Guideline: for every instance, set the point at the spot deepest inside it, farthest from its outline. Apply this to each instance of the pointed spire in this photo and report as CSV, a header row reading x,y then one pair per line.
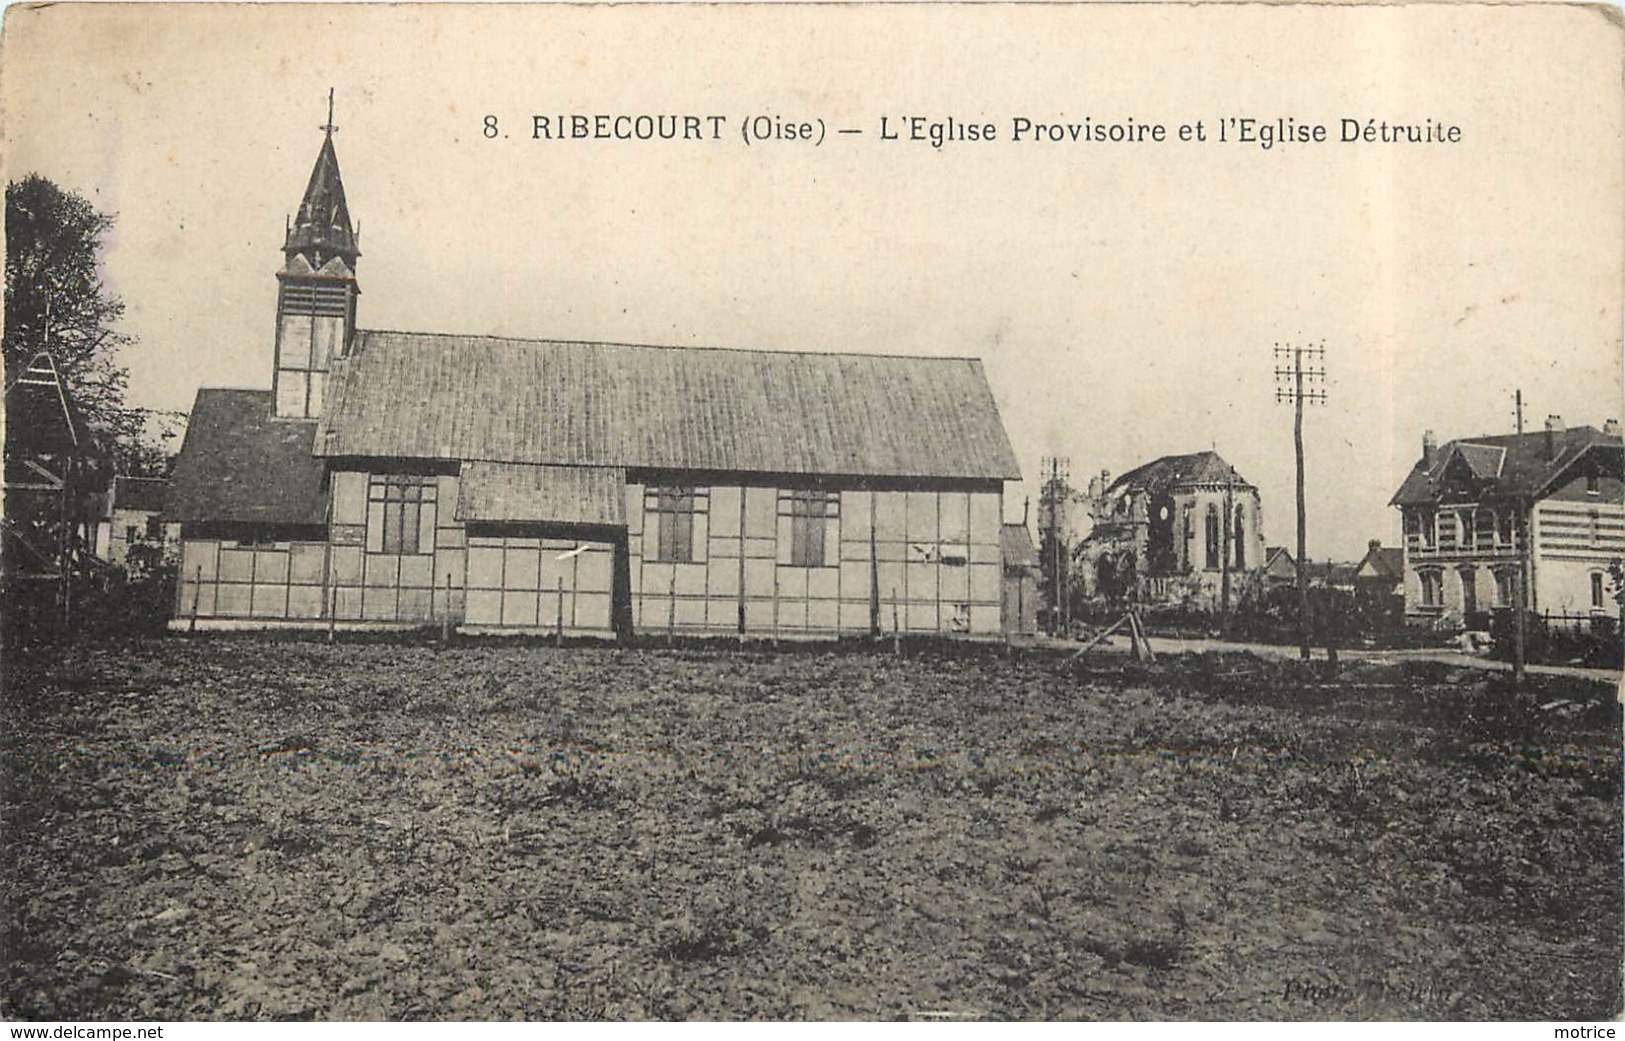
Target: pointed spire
x,y
322,229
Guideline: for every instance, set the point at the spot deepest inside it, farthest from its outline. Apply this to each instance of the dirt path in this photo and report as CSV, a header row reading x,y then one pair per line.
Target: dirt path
x,y
1188,645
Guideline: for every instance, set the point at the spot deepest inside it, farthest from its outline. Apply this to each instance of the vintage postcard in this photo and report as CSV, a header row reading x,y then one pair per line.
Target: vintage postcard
x,y
943,512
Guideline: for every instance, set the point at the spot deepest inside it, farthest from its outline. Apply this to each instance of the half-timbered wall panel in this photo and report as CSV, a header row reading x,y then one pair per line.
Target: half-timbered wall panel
x,y
530,583
795,562
251,578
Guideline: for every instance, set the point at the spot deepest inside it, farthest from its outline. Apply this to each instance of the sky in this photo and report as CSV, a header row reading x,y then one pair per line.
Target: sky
x,y
1124,298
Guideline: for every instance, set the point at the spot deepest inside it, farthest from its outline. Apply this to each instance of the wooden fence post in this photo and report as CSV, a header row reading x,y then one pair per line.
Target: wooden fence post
x,y
197,591
575,586
445,614
558,619
896,634
671,606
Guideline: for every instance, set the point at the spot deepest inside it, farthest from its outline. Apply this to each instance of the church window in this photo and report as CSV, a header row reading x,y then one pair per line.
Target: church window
x,y
1239,541
674,510
810,512
401,514
1212,547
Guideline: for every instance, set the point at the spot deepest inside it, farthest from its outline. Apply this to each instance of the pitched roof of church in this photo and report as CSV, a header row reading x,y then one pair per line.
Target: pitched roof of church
x,y
239,464
1506,465
1175,471
427,396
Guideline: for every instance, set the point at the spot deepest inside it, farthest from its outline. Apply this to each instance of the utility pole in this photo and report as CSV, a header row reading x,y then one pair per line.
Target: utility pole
x,y
1054,493
1520,623
1226,546
1290,388
1517,408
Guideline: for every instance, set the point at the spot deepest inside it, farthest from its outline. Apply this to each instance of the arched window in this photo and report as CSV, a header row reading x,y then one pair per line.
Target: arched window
x,y
1469,590
1212,536
1432,588
1506,587
1187,534
1239,539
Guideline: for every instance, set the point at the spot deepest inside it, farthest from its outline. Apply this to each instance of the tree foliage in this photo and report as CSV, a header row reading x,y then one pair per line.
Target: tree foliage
x,y
56,301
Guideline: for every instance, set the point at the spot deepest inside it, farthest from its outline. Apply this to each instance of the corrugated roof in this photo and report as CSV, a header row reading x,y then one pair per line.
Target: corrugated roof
x,y
538,401
1173,471
1016,546
1526,468
555,494
238,464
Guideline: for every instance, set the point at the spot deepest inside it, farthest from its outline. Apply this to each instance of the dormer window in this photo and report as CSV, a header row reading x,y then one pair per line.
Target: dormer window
x,y
1593,484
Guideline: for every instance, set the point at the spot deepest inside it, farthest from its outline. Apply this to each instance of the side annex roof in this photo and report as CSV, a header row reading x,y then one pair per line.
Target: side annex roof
x,y
238,464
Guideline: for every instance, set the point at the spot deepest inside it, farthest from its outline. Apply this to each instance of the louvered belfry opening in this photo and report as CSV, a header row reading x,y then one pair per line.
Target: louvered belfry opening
x,y
315,298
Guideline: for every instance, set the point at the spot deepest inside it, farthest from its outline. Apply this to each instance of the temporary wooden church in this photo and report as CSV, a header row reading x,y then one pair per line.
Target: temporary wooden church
x,y
493,484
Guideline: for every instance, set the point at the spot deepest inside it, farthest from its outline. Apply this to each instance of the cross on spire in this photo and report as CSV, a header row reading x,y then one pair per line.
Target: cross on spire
x,y
328,126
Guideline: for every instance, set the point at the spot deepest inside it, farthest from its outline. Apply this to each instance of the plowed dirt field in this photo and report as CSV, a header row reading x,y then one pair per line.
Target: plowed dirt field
x,y
253,828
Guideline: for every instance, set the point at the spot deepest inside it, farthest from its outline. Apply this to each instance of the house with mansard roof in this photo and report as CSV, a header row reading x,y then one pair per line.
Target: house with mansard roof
x,y
1484,517
497,484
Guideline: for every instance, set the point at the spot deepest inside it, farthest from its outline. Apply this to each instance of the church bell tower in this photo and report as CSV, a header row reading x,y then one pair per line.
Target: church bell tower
x,y
316,288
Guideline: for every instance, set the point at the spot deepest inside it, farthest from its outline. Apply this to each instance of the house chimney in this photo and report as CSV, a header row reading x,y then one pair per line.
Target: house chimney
x,y
1611,428
1372,545
1554,430
1430,448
